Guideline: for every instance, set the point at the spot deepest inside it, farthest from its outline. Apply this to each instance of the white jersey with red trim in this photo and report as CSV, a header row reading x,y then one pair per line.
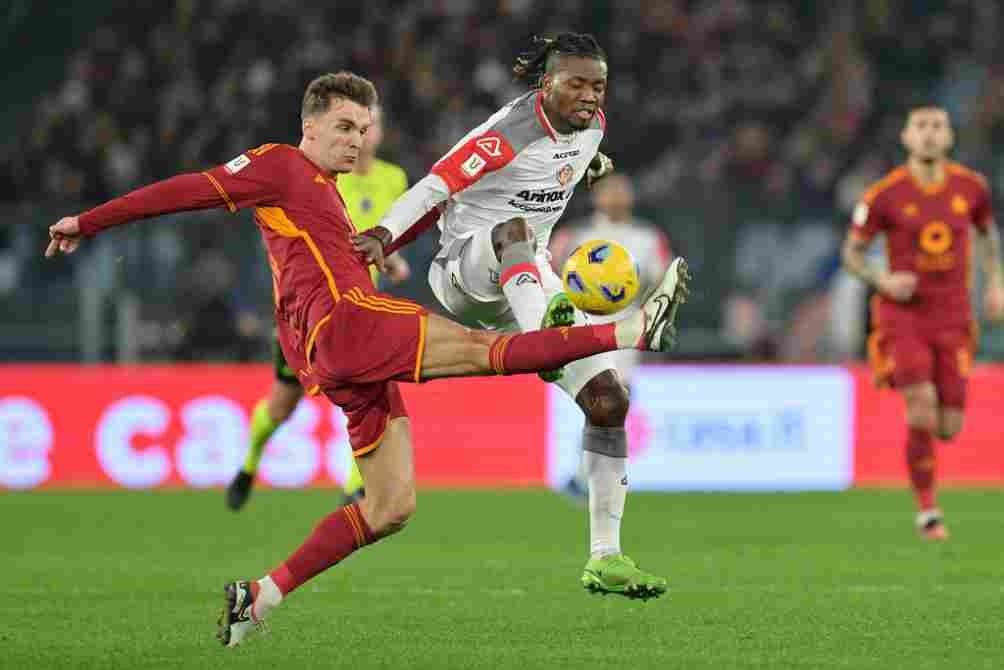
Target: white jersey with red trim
x,y
513,164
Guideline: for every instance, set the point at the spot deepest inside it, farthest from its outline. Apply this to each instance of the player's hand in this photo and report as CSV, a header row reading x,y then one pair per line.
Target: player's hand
x,y
599,167
370,245
64,237
898,286
398,269
993,299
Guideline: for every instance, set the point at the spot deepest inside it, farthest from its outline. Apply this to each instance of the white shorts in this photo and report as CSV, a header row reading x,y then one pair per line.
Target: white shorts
x,y
465,279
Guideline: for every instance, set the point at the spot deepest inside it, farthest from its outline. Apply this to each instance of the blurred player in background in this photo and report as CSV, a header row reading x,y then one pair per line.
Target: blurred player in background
x,y
343,338
501,189
924,333
368,191
613,219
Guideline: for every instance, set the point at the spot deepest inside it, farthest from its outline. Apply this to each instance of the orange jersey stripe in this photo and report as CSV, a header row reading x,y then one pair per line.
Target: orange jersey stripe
x,y
275,218
313,336
377,307
362,451
390,302
961,170
497,361
379,301
422,325
894,177
350,514
263,148
223,194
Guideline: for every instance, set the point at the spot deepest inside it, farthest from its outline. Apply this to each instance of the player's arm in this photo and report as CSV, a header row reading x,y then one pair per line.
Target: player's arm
x,y
416,210
247,180
993,297
599,167
867,221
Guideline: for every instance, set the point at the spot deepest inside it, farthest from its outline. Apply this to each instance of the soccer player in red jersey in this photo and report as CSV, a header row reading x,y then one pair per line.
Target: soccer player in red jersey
x,y
923,335
343,338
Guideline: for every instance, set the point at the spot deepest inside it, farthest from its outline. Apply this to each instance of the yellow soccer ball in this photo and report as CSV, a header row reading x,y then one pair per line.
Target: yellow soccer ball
x,y
601,277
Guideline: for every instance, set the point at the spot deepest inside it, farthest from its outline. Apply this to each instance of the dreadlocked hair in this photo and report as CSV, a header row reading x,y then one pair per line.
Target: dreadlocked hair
x,y
532,65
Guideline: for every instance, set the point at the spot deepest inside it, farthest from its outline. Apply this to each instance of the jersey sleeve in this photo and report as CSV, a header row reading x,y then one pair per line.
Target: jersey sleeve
x,y
983,211
867,219
473,159
255,177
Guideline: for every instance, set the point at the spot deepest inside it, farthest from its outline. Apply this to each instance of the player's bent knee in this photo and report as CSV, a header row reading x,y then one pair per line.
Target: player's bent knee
x,y
605,401
949,426
513,231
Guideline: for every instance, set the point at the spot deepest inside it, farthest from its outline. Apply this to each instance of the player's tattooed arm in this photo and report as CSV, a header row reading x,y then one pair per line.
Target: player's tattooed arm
x,y
898,286
599,167
993,298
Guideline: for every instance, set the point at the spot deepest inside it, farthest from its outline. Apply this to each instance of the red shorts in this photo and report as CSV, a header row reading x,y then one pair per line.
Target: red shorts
x,y
357,353
943,357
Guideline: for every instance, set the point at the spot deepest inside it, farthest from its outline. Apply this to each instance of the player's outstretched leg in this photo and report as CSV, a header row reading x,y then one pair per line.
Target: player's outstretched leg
x,y
450,350
515,246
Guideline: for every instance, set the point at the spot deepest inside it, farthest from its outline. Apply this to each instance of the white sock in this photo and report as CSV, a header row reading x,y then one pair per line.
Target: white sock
x,y
269,596
520,282
607,493
628,331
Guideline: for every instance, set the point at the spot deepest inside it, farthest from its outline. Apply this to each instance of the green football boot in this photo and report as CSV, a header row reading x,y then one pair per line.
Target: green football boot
x,y
560,313
619,574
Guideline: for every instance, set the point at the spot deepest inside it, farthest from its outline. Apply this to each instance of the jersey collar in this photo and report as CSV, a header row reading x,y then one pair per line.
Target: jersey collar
x,y
542,117
332,179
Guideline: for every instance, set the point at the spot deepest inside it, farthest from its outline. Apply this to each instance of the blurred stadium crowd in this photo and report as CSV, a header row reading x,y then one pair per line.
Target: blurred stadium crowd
x,y
749,129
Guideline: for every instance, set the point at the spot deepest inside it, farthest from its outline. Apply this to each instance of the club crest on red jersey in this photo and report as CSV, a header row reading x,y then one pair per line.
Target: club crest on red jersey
x,y
960,205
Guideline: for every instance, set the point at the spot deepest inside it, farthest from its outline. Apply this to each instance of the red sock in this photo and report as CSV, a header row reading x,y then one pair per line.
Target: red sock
x,y
920,462
550,348
338,535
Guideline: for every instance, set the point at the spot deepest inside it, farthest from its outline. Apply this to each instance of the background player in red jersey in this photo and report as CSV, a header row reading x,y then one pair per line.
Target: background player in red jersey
x,y
923,335
342,337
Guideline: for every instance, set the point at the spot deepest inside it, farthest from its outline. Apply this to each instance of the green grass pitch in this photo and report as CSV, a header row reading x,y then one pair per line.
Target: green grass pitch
x,y
490,580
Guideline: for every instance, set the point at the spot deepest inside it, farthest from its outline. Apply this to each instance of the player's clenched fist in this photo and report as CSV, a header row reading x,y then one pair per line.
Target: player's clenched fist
x,y
64,237
370,246
898,285
599,167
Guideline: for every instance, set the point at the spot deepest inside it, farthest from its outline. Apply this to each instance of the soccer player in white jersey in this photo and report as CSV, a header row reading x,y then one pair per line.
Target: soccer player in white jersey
x,y
497,193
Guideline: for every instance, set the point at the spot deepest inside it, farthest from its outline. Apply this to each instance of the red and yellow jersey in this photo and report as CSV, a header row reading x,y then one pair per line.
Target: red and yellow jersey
x,y
927,230
306,228
303,220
